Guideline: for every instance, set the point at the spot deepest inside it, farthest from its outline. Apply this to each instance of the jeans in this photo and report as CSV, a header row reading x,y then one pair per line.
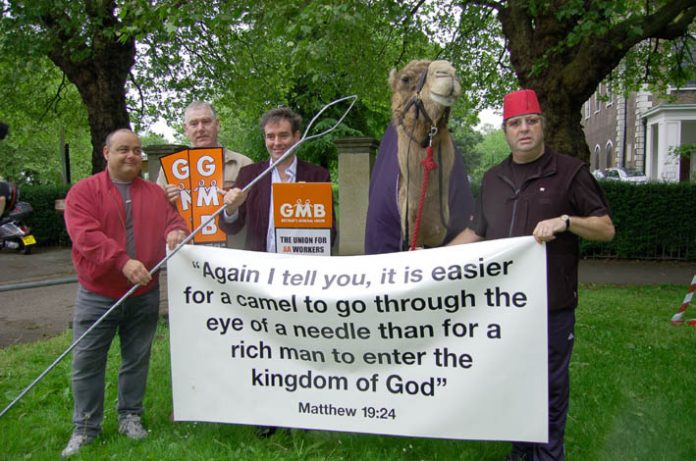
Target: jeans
x,y
135,320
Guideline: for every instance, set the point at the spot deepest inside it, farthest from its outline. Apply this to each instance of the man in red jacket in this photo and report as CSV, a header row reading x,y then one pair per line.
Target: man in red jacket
x,y
119,225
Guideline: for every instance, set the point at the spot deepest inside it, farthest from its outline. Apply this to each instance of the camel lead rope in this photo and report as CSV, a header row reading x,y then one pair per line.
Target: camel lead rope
x,y
429,164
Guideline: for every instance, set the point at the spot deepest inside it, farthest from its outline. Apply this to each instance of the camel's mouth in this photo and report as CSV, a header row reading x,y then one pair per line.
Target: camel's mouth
x,y
446,101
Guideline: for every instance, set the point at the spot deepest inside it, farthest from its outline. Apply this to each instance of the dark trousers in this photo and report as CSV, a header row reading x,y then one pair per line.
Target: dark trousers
x,y
561,331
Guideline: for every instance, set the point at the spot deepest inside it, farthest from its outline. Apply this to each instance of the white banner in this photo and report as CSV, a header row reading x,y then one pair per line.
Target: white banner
x,y
445,343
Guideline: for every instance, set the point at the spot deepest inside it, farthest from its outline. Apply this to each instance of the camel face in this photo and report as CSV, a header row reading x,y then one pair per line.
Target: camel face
x,y
440,91
423,92
444,86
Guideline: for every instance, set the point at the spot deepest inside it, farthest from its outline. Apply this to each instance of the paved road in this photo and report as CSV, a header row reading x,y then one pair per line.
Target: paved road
x,y
30,314
615,272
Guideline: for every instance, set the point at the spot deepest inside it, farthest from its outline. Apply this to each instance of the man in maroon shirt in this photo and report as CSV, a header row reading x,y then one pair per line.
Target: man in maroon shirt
x,y
253,208
536,191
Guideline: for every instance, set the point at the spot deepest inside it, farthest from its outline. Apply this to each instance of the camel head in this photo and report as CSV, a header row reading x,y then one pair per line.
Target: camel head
x,y
422,93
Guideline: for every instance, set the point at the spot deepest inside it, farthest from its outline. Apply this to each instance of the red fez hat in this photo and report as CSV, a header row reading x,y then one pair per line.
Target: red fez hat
x,y
520,103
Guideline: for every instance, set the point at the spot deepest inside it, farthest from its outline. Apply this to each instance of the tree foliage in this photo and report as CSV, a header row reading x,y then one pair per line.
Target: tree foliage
x,y
260,54
248,56
85,40
493,148
564,49
41,108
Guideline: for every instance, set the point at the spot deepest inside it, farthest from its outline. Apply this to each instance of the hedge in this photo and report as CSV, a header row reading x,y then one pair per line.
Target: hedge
x,y
46,223
653,221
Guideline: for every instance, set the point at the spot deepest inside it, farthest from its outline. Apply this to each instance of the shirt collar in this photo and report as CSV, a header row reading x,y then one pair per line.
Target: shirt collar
x,y
290,171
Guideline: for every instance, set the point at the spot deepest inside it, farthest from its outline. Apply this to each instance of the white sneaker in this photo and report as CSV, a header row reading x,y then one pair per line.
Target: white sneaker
x,y
132,427
76,442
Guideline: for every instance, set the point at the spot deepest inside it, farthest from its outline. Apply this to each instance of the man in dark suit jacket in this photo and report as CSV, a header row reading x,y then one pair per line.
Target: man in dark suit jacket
x,y
253,208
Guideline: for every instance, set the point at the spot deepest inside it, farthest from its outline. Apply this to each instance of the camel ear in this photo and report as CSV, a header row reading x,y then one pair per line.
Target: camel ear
x,y
393,79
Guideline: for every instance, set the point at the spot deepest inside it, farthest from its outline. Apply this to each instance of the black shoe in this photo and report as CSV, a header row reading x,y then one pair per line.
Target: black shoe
x,y
264,432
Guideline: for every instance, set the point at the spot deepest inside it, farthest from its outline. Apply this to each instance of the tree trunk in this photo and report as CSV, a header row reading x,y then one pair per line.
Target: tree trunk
x,y
563,115
561,90
101,81
97,59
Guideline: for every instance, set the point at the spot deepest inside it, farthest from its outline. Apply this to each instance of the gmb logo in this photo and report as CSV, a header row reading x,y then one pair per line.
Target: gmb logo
x,y
301,209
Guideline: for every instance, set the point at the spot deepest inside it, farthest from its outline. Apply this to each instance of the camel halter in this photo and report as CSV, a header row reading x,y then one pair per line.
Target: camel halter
x,y
417,102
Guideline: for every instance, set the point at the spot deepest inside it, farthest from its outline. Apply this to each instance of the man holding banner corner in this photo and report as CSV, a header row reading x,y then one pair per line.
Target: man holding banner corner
x,y
536,191
119,225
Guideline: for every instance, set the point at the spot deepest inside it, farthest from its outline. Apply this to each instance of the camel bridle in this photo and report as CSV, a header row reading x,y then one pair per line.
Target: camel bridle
x,y
416,101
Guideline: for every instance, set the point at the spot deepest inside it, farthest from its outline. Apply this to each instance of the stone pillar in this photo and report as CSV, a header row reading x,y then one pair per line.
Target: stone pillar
x,y
356,156
622,154
643,104
154,153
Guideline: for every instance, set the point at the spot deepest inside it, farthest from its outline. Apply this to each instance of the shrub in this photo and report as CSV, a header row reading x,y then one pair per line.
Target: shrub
x,y
46,223
653,221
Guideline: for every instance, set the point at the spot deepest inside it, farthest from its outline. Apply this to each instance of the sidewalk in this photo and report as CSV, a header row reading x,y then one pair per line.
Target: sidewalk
x,y
43,264
38,293
630,272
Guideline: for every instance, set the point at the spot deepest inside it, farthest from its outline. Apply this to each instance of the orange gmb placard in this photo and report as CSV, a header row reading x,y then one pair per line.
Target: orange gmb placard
x,y
206,167
302,205
175,167
198,173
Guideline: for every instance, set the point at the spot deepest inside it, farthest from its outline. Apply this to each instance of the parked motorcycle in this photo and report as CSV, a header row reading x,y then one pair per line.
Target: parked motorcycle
x,y
14,233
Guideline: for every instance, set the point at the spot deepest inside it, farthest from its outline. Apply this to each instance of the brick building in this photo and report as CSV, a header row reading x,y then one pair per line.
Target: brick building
x,y
640,131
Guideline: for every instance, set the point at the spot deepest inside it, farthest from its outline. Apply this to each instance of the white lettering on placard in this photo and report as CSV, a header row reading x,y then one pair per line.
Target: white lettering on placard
x,y
206,165
211,228
303,210
180,168
207,196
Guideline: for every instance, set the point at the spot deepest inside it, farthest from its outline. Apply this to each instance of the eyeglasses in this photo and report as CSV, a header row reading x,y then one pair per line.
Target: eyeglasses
x,y
530,120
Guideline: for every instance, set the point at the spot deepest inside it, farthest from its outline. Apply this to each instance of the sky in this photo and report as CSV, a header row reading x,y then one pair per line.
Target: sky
x,y
492,116
161,127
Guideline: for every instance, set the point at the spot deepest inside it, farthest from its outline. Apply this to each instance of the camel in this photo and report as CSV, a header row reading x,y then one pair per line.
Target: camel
x,y
422,94
414,124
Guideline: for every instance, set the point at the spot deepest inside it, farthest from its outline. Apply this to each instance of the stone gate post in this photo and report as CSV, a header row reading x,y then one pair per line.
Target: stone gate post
x,y
356,157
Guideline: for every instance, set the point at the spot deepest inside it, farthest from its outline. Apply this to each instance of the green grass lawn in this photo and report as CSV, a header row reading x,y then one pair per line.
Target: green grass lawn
x,y
632,381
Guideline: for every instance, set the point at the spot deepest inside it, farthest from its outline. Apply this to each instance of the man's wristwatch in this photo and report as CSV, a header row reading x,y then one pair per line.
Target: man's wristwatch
x,y
566,219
